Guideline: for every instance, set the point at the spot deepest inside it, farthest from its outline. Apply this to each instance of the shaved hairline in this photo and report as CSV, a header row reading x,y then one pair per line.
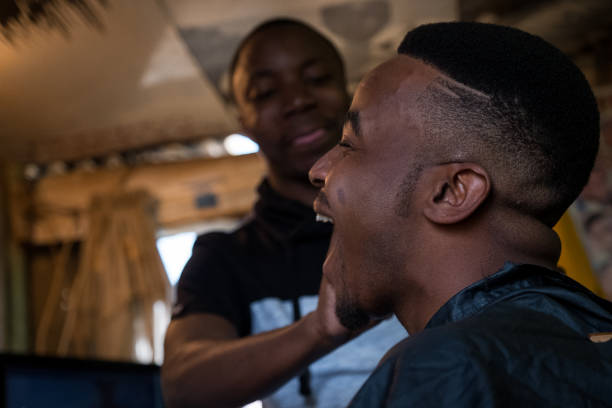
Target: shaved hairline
x,y
450,87
444,83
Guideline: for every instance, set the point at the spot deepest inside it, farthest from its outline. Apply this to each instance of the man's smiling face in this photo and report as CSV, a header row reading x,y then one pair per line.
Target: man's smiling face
x,y
369,188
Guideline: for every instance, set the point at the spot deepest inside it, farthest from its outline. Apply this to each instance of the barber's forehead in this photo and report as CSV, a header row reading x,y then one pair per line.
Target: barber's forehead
x,y
273,38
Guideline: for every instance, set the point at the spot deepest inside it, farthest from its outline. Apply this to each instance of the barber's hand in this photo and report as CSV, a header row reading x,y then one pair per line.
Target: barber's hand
x,y
330,325
326,321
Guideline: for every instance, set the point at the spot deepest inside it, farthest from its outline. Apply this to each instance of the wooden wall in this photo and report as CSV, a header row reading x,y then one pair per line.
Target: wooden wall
x,y
49,217
53,209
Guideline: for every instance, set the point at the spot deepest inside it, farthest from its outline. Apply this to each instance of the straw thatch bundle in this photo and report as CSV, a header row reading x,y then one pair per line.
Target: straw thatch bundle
x,y
119,281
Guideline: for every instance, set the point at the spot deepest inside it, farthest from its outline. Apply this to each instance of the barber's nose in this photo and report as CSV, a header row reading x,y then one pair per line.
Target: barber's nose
x,y
298,98
319,171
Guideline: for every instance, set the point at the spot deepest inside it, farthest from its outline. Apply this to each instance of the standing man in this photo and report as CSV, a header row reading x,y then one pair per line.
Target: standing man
x,y
246,318
458,157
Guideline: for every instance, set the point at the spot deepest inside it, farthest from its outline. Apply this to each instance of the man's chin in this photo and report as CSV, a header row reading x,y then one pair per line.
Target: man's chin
x,y
351,316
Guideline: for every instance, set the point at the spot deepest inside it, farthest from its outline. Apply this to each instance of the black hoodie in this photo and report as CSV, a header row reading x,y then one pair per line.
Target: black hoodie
x,y
277,253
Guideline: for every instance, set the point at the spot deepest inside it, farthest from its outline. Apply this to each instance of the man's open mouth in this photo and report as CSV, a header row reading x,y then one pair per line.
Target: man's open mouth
x,y
324,218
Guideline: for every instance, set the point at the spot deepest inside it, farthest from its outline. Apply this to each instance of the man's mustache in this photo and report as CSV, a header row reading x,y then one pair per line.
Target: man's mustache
x,y
322,199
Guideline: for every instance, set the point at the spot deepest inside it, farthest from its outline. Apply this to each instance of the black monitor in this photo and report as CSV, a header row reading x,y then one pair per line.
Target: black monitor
x,y
28,381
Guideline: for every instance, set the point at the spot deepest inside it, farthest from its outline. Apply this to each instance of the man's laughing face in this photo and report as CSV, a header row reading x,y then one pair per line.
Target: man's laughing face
x,y
368,184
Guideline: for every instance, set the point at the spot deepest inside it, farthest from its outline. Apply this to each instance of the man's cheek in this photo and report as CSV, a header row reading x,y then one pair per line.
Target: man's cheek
x,y
341,196
331,266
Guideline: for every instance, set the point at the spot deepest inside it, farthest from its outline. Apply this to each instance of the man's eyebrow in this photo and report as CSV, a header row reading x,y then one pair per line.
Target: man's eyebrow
x,y
352,117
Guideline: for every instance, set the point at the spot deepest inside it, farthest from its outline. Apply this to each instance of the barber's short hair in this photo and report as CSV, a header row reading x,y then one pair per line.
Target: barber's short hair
x,y
539,124
276,23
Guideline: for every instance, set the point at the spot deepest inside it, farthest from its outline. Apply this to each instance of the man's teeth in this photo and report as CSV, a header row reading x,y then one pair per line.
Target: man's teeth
x,y
322,218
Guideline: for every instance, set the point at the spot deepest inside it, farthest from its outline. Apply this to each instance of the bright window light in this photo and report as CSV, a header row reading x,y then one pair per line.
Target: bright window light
x,y
175,251
237,144
143,351
256,404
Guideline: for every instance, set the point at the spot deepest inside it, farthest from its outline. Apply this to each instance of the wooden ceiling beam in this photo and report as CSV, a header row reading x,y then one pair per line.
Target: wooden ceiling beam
x,y
102,142
55,208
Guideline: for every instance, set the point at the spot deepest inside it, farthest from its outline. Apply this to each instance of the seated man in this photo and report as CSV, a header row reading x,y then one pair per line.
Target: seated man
x,y
457,158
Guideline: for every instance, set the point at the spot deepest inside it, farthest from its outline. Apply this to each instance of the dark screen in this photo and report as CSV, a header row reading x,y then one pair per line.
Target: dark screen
x,y
30,382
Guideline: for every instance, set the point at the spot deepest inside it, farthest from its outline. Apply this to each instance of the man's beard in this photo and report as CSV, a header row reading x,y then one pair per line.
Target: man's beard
x,y
348,311
350,315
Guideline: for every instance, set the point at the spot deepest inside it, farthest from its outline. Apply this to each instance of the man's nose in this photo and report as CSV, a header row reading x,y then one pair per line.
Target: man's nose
x,y
318,172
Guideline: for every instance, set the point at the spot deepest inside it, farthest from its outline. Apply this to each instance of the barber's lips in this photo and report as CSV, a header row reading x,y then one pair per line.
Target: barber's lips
x,y
311,137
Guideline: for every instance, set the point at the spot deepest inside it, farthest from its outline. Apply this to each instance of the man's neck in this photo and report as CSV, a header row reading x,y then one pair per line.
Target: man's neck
x,y
294,189
464,257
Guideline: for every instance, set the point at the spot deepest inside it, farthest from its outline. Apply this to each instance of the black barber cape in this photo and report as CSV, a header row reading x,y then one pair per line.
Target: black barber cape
x,y
519,338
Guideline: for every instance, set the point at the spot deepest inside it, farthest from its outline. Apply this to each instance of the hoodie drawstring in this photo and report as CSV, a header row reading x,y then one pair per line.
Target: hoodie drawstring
x,y
305,376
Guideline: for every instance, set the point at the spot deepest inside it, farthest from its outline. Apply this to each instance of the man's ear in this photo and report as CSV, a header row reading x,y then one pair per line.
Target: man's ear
x,y
456,191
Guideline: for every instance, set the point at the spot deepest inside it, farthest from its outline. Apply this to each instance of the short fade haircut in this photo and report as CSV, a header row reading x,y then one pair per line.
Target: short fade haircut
x,y
536,128
277,23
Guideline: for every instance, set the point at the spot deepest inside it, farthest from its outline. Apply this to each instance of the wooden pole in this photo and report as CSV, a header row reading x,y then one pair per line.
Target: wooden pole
x,y
4,238
14,279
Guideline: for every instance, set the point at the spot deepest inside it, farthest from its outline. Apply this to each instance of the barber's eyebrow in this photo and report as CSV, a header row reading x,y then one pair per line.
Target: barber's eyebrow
x,y
352,118
269,72
257,75
309,62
